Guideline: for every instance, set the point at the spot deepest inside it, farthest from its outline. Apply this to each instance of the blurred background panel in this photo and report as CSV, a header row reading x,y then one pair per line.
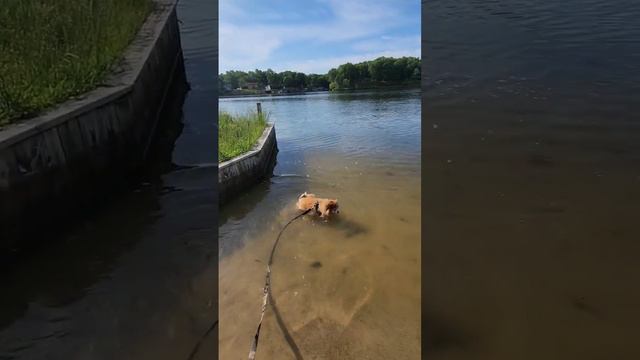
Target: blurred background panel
x,y
531,168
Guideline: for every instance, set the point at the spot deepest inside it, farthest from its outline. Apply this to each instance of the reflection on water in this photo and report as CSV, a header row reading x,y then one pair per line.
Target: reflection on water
x,y
348,288
531,165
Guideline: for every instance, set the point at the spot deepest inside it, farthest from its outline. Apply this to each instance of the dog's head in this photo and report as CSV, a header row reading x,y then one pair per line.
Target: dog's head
x,y
332,207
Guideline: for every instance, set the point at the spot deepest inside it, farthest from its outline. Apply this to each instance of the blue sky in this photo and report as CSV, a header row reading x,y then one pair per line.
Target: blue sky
x,y
312,36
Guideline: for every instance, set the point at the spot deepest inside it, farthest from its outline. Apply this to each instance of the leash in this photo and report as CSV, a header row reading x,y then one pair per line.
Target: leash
x,y
267,295
197,347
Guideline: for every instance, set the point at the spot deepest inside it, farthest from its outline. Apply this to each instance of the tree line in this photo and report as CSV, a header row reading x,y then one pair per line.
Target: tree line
x,y
382,71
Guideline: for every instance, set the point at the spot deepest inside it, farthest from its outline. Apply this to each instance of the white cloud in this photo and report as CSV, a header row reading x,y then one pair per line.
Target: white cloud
x,y
362,11
388,43
243,48
231,10
245,45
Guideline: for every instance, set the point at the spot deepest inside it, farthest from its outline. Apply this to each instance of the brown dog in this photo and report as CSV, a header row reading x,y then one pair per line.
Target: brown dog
x,y
322,207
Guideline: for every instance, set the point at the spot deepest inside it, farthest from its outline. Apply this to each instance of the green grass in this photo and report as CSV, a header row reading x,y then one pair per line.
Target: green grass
x,y
52,50
238,133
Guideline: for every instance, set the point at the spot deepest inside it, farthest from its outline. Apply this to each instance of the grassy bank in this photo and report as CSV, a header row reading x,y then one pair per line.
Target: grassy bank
x,y
51,51
238,133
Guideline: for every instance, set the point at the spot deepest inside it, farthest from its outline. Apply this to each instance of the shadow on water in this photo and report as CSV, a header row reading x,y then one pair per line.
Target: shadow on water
x,y
343,224
240,204
350,228
170,126
43,274
134,276
244,203
442,336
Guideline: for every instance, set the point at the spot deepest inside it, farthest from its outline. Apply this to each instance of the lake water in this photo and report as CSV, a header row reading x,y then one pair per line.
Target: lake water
x,y
135,278
348,288
532,169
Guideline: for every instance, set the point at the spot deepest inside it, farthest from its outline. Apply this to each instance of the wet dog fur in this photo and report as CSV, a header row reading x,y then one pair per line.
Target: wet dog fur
x,y
320,206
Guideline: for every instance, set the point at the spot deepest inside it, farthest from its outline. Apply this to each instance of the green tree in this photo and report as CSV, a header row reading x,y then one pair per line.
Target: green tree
x,y
274,79
375,69
377,72
288,79
349,73
317,81
331,75
363,70
301,80
234,79
261,78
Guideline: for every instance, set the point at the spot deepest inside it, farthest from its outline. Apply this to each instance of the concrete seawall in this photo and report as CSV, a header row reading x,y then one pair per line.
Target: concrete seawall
x,y
245,170
52,164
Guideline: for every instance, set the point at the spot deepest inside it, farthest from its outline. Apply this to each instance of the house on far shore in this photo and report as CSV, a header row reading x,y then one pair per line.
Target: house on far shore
x,y
252,85
267,89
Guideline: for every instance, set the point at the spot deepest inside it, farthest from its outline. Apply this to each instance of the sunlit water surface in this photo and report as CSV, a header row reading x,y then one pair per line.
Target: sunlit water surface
x,y
348,288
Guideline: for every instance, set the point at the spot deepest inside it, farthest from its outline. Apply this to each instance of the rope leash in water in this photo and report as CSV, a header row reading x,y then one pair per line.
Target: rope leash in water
x,y
197,346
267,291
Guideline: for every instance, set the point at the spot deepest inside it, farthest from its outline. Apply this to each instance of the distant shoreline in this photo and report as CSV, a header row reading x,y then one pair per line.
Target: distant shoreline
x,y
410,86
265,94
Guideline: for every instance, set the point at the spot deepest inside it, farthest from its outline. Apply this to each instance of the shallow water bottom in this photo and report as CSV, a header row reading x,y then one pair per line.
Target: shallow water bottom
x,y
347,288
